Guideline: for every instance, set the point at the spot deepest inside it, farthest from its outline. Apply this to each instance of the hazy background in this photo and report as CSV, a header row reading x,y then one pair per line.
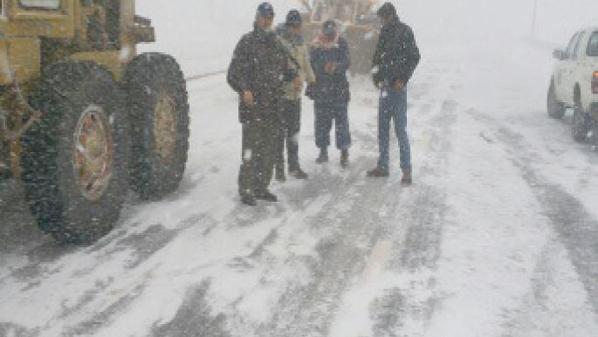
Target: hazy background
x,y
458,24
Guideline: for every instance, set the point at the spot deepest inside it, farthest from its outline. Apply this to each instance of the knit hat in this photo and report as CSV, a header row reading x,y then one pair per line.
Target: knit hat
x,y
293,18
265,10
329,28
386,10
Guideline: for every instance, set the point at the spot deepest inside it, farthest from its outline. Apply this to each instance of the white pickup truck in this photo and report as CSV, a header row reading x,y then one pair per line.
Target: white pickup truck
x,y
574,83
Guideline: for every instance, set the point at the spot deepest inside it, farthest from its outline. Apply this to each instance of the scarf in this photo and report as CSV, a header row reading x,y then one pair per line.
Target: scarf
x,y
324,42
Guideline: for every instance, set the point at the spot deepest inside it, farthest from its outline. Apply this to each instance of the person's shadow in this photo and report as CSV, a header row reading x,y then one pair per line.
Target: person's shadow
x,y
19,234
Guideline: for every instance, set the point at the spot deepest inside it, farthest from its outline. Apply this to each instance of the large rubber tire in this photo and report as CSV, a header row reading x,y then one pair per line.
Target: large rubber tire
x,y
154,82
580,127
80,101
555,108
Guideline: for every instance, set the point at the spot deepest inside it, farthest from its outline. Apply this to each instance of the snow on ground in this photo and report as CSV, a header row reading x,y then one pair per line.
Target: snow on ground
x,y
496,238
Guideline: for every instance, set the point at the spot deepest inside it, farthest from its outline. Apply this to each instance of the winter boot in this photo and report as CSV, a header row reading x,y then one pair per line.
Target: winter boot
x,y
344,158
407,179
378,172
266,196
298,173
323,157
248,200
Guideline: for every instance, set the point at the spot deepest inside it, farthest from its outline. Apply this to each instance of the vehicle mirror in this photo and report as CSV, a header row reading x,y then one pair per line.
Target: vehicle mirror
x,y
559,54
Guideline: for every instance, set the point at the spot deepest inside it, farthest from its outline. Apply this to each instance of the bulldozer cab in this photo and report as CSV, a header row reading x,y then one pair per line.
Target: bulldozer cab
x,y
327,10
346,11
34,33
37,33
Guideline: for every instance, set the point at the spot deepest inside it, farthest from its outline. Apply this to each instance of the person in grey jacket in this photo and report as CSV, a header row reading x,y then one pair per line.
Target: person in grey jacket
x,y
290,34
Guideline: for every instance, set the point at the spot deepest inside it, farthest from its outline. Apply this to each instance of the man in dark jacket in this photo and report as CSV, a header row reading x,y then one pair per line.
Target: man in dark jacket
x,y
395,60
330,61
258,71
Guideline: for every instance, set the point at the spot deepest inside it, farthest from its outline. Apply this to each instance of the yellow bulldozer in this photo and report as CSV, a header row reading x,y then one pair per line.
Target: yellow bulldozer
x,y
83,116
358,22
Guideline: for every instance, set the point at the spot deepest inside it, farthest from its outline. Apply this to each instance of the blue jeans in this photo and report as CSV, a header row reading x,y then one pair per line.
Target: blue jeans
x,y
326,114
393,105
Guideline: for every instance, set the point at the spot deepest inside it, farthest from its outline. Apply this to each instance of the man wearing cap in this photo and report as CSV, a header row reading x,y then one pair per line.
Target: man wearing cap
x,y
290,34
259,69
330,60
395,60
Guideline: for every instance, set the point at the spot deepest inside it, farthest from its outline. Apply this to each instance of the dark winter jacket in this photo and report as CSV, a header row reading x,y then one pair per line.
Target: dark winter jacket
x,y
260,64
396,55
330,88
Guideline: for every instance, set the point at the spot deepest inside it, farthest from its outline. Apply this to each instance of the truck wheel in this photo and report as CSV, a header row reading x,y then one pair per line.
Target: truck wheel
x,y
581,122
75,159
159,117
556,109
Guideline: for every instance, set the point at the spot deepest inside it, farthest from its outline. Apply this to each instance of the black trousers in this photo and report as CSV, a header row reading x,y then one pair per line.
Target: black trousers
x,y
258,152
290,125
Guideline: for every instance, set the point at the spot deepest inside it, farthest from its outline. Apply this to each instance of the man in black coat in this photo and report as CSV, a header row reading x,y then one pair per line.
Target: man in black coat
x,y
330,61
258,71
395,60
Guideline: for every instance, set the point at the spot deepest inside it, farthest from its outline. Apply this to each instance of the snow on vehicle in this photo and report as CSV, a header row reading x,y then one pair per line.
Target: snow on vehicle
x,y
574,83
82,116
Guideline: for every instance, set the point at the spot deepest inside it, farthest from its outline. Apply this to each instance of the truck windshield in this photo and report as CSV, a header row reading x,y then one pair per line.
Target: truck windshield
x,y
41,4
593,45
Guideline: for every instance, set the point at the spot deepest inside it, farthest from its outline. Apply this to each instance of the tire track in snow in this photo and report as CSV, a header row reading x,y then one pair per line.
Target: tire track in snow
x,y
374,228
308,310
406,308
576,227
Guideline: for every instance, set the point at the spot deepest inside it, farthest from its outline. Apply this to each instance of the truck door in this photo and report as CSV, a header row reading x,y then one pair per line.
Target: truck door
x,y
563,72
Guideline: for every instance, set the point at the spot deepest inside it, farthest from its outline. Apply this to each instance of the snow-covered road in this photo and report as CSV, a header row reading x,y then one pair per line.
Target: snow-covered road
x,y
498,236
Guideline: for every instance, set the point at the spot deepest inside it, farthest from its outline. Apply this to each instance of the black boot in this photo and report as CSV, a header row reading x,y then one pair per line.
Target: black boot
x,y
298,173
266,196
248,200
344,158
323,157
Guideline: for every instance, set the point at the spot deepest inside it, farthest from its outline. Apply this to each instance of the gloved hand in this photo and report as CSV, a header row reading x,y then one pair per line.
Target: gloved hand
x,y
330,67
289,75
298,84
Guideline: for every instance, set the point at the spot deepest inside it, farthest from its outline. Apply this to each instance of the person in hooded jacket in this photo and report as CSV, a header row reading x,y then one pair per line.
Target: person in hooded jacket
x,y
258,72
395,60
330,60
290,34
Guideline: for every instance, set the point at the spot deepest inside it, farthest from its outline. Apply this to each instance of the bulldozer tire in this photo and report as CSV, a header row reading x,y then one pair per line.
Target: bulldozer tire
x,y
158,110
75,159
